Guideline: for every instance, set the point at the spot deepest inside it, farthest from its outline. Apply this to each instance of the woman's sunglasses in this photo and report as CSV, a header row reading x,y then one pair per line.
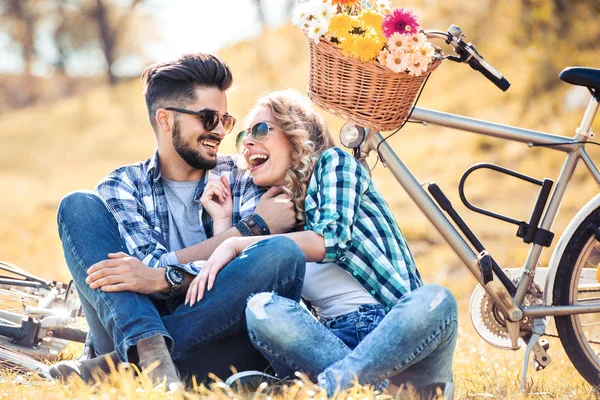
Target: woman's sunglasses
x,y
210,118
259,133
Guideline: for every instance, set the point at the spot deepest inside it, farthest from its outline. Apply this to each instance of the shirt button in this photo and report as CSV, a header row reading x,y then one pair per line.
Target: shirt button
x,y
343,258
373,292
306,228
387,309
335,215
355,273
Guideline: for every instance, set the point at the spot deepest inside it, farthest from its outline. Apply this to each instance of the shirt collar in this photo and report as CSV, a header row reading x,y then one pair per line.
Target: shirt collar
x,y
154,167
154,174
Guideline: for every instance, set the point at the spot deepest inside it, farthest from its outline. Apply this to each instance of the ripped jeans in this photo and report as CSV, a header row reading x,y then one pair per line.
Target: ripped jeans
x,y
414,342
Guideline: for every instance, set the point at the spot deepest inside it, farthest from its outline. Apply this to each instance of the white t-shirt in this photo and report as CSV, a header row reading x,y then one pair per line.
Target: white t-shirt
x,y
332,291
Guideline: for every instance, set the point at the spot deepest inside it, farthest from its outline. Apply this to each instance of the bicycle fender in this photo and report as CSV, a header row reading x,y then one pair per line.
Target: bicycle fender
x,y
562,244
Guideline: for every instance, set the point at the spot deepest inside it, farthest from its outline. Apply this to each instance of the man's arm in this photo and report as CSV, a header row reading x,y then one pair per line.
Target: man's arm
x,y
118,274
274,207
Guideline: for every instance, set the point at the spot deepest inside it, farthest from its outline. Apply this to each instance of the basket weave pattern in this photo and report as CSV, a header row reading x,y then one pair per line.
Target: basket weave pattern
x,y
366,93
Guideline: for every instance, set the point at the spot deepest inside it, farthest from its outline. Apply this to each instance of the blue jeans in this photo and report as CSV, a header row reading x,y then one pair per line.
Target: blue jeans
x,y
414,342
119,320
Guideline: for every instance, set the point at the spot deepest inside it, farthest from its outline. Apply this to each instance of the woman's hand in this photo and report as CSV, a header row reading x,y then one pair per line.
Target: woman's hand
x,y
223,255
218,202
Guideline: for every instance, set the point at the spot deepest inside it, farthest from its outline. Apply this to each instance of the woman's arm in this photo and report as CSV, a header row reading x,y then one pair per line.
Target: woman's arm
x,y
311,243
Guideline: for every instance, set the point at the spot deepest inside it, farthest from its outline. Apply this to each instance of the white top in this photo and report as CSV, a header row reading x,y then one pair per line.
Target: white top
x,y
332,291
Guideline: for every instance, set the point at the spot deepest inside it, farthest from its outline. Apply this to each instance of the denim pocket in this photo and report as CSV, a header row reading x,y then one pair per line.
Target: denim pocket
x,y
370,316
353,327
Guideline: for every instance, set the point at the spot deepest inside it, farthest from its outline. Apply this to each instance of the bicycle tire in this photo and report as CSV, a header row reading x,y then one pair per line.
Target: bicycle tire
x,y
21,364
575,277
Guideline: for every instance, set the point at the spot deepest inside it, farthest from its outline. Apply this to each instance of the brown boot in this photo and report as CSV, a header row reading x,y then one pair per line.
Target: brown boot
x,y
84,369
154,349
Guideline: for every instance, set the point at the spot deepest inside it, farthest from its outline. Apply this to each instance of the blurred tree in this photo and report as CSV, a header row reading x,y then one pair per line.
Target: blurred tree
x,y
72,26
560,33
112,20
20,20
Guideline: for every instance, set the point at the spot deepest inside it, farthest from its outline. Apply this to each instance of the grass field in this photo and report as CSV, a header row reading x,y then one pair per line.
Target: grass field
x,y
48,151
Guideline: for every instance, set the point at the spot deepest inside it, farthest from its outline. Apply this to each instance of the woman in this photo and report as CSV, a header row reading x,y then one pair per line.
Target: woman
x,y
375,319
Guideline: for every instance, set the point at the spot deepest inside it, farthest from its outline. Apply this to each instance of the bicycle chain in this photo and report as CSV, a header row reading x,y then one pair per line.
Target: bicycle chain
x,y
581,291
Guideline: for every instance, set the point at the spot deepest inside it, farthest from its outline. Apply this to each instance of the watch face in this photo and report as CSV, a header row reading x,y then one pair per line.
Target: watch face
x,y
177,276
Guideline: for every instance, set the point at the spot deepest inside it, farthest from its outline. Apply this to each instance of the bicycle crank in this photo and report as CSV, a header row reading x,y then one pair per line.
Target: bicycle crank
x,y
490,322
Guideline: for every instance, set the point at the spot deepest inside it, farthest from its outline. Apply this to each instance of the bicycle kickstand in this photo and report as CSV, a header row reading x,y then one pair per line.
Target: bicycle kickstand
x,y
535,343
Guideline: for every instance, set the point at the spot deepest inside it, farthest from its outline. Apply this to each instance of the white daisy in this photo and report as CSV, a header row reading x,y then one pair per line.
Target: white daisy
x,y
397,61
324,11
315,29
418,38
397,41
417,65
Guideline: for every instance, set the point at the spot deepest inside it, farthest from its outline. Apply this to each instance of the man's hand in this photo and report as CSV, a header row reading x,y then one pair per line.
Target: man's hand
x,y
122,272
277,210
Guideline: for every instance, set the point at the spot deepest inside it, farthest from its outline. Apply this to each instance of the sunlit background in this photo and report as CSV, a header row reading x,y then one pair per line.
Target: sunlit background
x,y
71,110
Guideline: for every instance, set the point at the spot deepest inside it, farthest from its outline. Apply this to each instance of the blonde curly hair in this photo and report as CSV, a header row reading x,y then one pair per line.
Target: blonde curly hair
x,y
308,135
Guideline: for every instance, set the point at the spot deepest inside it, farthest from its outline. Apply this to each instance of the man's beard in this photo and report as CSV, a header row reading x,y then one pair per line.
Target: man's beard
x,y
192,156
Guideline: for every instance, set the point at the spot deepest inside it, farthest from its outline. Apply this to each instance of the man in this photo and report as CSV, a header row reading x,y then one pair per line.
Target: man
x,y
140,236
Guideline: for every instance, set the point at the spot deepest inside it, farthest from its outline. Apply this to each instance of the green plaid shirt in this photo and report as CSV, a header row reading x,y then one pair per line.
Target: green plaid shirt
x,y
361,236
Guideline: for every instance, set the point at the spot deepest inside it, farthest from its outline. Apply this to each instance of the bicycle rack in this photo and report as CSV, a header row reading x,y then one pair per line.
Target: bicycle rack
x,y
530,232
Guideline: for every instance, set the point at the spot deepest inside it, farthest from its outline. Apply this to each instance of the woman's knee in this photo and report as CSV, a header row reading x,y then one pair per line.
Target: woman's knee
x,y
434,302
266,314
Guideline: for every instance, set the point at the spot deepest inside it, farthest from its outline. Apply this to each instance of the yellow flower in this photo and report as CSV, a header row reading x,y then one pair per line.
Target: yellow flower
x,y
366,47
340,25
347,44
371,19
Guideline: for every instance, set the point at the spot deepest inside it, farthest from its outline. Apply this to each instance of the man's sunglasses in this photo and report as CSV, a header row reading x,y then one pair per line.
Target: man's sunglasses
x,y
210,118
259,133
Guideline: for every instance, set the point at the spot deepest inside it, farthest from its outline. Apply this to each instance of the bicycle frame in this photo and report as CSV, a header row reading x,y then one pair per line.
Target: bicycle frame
x,y
513,306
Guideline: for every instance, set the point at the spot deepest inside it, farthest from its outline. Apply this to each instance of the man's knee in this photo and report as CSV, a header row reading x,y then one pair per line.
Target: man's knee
x,y
282,252
76,205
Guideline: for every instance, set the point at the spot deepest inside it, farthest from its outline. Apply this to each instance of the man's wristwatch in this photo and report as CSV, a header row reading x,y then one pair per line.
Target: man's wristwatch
x,y
175,277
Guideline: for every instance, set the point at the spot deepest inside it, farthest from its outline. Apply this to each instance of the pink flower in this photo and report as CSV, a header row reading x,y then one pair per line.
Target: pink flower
x,y
400,20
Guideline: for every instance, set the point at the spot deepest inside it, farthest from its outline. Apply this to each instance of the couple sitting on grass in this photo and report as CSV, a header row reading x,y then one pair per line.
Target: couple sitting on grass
x,y
293,218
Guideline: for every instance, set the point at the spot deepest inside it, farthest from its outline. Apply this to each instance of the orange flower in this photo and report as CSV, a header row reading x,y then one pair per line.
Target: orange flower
x,y
345,2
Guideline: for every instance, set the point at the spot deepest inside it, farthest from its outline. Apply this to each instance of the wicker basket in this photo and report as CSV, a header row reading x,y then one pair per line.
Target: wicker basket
x,y
363,92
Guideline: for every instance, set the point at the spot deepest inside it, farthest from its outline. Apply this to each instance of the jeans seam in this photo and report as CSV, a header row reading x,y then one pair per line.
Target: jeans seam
x,y
272,352
440,330
101,294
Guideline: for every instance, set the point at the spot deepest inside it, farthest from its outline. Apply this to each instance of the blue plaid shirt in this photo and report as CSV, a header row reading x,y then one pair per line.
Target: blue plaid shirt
x,y
135,196
361,236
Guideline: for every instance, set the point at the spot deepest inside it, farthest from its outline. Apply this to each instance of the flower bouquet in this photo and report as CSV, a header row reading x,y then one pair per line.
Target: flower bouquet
x,y
368,61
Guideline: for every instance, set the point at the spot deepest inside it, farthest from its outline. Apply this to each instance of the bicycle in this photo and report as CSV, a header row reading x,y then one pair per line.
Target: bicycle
x,y
38,319
512,308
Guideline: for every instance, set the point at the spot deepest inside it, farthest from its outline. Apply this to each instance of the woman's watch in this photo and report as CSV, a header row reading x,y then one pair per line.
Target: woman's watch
x,y
176,277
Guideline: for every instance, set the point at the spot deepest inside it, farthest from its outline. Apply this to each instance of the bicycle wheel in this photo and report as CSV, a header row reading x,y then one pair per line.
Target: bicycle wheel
x,y
576,283
22,365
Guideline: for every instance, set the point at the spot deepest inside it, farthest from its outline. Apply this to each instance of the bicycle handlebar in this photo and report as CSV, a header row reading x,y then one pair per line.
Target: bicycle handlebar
x,y
466,52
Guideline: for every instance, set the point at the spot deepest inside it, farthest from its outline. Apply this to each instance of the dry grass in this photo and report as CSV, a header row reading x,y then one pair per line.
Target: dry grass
x,y
51,150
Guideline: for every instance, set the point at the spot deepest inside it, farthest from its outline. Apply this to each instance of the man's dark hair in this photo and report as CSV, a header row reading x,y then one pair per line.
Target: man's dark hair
x,y
173,83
